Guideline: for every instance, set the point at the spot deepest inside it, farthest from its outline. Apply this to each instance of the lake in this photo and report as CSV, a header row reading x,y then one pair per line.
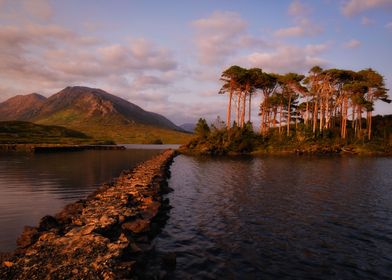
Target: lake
x,y
232,218
35,185
280,217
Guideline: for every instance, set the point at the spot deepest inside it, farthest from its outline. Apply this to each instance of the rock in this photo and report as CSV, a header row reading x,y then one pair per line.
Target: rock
x,y
137,226
8,264
106,221
47,223
28,237
107,236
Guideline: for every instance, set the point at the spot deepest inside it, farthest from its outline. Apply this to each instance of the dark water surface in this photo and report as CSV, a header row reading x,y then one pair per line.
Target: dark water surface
x,y
280,218
35,185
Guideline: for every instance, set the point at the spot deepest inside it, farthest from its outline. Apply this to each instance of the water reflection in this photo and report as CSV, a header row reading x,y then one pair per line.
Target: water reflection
x,y
273,218
34,185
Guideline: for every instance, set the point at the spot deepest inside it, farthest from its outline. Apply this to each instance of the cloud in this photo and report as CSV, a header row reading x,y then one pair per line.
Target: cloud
x,y
316,49
40,9
54,53
354,7
221,35
298,9
389,25
23,10
143,82
287,58
367,21
352,44
181,113
303,26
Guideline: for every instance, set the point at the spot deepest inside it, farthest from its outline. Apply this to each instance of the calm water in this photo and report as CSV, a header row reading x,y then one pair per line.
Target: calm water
x,y
35,185
280,218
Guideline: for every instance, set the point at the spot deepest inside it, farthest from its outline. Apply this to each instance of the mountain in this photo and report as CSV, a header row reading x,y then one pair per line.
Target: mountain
x,y
98,114
21,107
190,127
83,104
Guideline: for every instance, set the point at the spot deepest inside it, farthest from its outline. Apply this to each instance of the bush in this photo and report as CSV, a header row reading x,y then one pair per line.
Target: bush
x,y
223,141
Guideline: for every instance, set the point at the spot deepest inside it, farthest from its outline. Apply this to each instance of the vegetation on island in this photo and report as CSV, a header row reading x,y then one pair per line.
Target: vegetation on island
x,y
326,111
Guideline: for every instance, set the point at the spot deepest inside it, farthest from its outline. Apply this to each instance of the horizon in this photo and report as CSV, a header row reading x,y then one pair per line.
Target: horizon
x,y
167,57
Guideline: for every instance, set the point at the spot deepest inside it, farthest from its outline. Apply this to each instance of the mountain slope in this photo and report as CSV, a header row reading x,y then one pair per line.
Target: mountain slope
x,y
21,107
77,105
189,127
96,113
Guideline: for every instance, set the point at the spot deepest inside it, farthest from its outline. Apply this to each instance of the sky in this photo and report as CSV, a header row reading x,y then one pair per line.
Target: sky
x,y
167,56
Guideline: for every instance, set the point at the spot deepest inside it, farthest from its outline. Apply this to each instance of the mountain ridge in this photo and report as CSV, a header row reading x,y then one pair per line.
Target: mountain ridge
x,y
86,103
21,107
94,112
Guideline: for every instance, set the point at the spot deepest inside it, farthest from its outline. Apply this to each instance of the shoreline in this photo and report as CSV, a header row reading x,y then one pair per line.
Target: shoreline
x,y
106,236
42,148
291,152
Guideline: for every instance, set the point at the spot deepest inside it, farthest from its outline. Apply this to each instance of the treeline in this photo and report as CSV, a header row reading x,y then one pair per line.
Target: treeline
x,y
324,100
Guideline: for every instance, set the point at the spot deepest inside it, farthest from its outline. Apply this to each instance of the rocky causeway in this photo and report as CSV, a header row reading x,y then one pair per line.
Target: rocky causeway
x,y
106,236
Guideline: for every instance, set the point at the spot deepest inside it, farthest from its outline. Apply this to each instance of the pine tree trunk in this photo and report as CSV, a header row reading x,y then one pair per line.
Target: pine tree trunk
x,y
238,108
243,109
327,112
250,106
307,112
369,115
315,119
288,116
228,115
280,119
321,114
274,119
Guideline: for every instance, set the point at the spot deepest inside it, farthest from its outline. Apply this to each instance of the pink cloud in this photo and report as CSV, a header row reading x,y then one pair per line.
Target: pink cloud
x,y
221,35
352,44
40,9
367,21
297,8
287,58
353,7
303,26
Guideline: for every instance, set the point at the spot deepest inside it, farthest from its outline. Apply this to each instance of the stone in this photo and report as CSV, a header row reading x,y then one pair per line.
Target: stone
x,y
137,226
47,223
28,237
106,236
8,264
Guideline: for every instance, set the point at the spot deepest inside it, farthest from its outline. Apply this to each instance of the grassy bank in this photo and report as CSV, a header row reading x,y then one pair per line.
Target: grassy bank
x,y
134,134
18,132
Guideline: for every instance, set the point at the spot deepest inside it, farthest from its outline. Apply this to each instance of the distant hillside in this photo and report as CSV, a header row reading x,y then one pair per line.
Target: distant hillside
x,y
97,113
26,132
190,127
83,104
21,107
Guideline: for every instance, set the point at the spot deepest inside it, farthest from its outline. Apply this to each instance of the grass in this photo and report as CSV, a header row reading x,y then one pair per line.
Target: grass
x,y
115,128
134,133
19,132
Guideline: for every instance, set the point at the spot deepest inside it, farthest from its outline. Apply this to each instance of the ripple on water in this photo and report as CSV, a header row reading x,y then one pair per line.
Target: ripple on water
x,y
272,218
